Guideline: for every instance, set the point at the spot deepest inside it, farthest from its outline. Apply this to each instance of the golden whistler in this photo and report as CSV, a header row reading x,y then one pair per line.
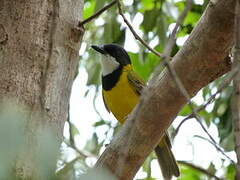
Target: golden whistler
x,y
121,91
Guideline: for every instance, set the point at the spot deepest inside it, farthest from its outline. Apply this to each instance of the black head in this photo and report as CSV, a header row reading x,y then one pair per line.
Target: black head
x,y
114,50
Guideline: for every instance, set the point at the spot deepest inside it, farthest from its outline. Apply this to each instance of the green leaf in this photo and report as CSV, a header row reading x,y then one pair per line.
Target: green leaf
x,y
144,69
92,144
147,165
188,173
99,4
197,8
99,123
230,172
186,110
206,93
223,118
75,130
162,27
112,32
180,5
212,168
88,9
228,142
225,123
192,18
116,129
149,20
94,71
206,116
146,5
185,30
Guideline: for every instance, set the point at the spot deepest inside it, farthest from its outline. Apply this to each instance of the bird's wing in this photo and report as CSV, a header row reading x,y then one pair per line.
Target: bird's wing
x,y
136,82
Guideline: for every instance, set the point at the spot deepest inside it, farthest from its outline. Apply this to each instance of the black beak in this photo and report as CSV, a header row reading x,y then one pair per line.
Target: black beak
x,y
99,49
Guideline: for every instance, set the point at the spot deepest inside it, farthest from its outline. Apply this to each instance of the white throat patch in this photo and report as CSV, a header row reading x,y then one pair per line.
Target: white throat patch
x,y
109,64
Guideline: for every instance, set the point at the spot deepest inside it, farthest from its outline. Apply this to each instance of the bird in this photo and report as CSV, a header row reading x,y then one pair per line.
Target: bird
x,y
121,90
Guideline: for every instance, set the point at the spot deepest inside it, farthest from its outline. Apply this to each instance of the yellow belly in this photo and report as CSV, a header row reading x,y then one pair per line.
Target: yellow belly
x,y
121,99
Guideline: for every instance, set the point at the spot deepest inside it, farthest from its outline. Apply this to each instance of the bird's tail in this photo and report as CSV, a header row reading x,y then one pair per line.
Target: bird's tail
x,y
166,159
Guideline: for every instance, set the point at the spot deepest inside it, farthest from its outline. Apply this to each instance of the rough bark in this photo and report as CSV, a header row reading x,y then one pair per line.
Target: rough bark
x,y
39,43
200,61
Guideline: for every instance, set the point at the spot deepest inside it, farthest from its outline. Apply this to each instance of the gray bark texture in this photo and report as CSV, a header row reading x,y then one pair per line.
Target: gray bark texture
x,y
39,44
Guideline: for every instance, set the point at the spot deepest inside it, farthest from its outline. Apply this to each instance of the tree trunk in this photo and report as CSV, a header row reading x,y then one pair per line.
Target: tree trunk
x,y
39,43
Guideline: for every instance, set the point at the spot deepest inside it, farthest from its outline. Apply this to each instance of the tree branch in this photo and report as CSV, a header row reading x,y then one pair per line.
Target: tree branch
x,y
221,151
172,37
204,53
137,37
98,13
67,167
200,169
170,44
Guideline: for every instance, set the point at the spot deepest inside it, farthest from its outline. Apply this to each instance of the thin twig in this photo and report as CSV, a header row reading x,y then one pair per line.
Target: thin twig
x,y
172,37
171,40
73,146
225,83
203,138
71,138
98,13
214,142
68,166
224,154
137,37
82,154
200,169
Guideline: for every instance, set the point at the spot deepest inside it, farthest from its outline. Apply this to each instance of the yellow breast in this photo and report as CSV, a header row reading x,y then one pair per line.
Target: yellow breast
x,y
122,98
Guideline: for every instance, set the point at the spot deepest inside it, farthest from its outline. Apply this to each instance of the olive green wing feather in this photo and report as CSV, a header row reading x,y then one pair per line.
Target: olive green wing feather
x,y
136,82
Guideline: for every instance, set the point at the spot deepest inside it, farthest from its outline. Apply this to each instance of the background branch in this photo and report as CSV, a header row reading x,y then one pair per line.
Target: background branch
x,y
202,170
67,167
221,151
98,13
137,37
172,37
